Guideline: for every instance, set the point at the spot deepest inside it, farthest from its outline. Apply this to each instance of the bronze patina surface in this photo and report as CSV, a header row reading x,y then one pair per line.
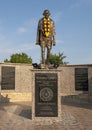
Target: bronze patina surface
x,y
46,35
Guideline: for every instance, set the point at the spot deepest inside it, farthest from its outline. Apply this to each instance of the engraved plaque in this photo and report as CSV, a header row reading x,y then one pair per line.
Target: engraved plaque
x,y
46,95
8,78
81,79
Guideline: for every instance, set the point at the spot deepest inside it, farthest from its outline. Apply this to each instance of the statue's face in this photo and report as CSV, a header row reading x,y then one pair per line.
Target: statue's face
x,y
46,15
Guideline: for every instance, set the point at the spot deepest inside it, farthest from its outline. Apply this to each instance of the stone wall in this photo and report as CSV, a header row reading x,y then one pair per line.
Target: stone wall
x,y
68,78
24,83
68,92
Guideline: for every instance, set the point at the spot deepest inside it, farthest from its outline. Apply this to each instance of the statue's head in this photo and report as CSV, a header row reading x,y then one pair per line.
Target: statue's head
x,y
46,13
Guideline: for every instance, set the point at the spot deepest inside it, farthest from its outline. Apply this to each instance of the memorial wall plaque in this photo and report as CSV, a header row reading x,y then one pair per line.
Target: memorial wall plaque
x,y
46,95
81,79
8,78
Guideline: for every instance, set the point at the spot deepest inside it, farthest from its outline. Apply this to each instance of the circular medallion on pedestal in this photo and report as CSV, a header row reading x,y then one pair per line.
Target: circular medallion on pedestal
x,y
46,94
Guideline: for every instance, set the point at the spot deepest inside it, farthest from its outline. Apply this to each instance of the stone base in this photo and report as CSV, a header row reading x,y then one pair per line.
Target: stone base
x,y
46,120
43,66
40,116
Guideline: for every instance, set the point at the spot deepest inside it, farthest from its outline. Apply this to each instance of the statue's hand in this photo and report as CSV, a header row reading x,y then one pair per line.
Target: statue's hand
x,y
37,43
54,43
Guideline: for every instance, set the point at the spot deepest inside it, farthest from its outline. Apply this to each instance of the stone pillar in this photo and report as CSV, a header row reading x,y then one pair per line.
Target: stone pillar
x,y
46,99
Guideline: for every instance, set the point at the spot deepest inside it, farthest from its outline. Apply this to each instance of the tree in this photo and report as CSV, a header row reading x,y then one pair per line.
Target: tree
x,y
57,59
19,58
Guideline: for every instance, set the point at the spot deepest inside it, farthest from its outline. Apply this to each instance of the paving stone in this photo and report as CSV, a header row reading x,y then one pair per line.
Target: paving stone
x,y
17,116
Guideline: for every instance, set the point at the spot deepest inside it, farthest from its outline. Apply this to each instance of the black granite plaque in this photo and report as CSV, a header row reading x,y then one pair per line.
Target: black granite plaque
x,y
8,78
46,95
81,79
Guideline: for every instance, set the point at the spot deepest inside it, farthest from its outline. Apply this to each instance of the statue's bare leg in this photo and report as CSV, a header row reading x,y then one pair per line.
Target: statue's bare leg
x,y
48,55
43,54
49,45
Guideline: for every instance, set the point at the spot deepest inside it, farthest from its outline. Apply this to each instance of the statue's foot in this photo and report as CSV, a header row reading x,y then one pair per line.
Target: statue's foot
x,y
42,66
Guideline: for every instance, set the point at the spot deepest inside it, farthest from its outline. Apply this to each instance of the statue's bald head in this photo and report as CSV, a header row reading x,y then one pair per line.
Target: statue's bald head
x,y
46,13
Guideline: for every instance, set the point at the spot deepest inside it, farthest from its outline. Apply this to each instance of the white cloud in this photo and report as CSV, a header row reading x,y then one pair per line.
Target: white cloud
x,y
22,30
18,49
9,45
27,26
78,3
57,16
31,22
7,49
59,41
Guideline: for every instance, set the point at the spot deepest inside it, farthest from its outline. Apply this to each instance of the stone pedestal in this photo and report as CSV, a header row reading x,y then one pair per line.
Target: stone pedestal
x,y
46,99
43,66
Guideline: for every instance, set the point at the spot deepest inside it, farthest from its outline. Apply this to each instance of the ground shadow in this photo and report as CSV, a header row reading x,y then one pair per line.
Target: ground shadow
x,y
22,109
26,113
5,99
77,101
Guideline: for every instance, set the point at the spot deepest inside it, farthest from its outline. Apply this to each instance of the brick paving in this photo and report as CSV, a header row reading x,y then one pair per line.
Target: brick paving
x,y
17,116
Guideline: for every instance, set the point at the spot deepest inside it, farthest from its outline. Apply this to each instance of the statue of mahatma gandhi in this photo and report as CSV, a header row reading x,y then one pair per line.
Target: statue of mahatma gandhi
x,y
46,35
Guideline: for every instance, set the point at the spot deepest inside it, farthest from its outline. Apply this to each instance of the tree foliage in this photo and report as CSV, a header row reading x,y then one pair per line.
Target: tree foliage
x,y
57,58
19,58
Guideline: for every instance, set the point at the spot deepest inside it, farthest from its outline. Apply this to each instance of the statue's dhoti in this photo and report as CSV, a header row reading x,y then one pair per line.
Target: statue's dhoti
x,y
45,43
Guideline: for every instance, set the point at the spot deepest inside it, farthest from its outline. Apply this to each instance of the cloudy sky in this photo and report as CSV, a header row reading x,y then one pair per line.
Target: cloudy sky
x,y
73,21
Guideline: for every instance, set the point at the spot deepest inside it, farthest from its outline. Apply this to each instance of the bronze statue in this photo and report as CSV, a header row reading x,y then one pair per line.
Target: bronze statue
x,y
46,35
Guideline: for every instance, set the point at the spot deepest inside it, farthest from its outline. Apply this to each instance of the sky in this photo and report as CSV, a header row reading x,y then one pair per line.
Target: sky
x,y
73,24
